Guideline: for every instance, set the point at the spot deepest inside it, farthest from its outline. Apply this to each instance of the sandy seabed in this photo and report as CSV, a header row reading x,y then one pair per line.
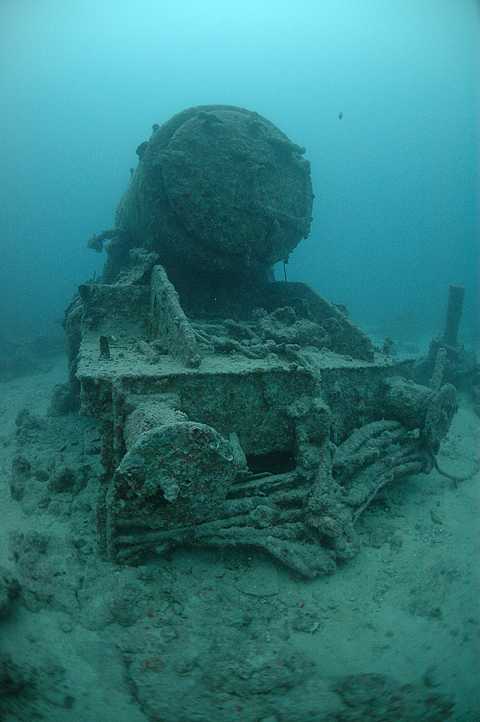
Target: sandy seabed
x,y
182,639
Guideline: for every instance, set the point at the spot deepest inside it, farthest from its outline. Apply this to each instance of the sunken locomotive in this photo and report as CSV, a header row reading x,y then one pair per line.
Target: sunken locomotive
x,y
235,410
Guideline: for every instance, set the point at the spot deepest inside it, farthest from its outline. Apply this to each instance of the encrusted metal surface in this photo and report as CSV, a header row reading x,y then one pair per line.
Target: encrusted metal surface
x,y
235,411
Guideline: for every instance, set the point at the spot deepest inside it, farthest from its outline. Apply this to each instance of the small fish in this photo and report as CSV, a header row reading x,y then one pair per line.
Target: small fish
x,y
340,115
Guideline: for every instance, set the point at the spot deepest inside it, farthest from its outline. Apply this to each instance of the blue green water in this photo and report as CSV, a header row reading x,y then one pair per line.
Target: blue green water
x,y
396,178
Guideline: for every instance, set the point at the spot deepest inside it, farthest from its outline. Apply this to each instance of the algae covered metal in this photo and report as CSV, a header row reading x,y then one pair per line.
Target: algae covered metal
x,y
235,410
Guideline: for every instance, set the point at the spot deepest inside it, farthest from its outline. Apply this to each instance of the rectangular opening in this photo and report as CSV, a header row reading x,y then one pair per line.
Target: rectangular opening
x,y
274,462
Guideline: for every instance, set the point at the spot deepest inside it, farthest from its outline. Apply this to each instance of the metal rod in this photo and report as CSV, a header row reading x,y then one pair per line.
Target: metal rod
x,y
454,314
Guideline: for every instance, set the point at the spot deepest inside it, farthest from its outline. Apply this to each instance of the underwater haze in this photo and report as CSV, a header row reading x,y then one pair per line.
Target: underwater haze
x,y
239,370
383,95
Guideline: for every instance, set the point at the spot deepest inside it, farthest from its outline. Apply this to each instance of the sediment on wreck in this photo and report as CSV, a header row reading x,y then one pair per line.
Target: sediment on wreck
x,y
234,410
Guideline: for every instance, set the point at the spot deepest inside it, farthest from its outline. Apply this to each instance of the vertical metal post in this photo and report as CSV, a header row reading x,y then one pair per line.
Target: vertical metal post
x,y
454,314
